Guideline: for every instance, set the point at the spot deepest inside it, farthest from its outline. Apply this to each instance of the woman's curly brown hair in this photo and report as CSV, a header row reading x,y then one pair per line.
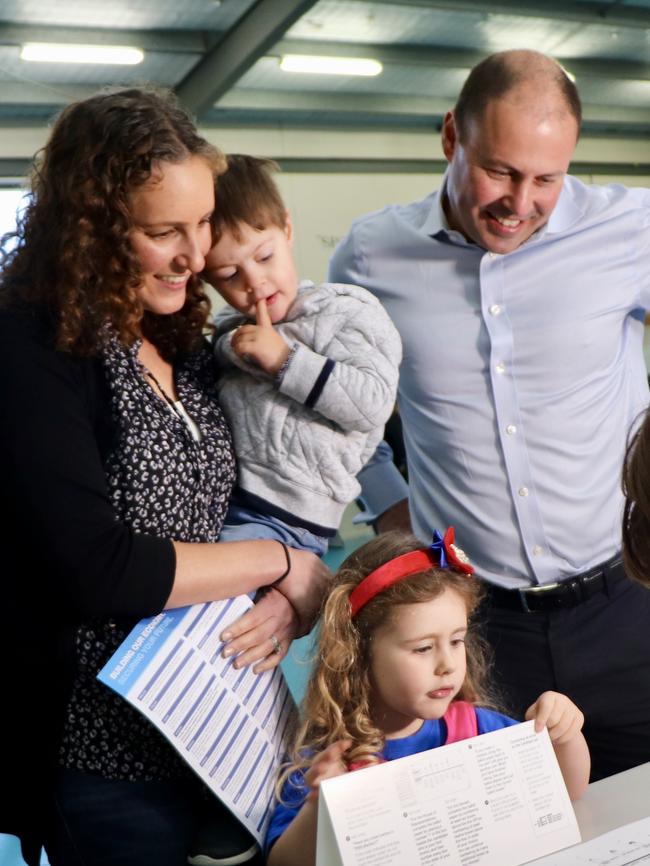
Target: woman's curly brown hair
x,y
71,253
337,702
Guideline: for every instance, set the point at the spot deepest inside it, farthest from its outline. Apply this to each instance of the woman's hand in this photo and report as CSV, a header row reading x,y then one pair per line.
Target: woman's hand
x,y
326,765
263,634
559,714
305,587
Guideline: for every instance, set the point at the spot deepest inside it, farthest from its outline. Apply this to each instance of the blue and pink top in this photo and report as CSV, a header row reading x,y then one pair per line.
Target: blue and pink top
x,y
461,721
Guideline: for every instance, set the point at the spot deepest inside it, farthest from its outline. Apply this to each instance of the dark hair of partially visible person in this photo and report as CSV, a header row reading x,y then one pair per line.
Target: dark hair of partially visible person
x,y
338,700
501,73
636,513
70,253
247,193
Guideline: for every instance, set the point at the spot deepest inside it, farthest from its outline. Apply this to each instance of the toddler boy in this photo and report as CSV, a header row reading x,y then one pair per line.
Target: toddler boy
x,y
309,372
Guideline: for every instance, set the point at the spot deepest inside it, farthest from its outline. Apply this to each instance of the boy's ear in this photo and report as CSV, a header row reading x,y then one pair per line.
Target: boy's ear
x,y
288,228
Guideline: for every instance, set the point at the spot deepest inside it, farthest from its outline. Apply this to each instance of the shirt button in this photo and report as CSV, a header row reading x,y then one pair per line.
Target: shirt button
x,y
500,368
537,550
511,429
495,309
523,491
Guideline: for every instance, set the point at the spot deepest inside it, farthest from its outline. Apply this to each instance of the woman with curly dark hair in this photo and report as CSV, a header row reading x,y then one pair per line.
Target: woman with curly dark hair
x,y
117,467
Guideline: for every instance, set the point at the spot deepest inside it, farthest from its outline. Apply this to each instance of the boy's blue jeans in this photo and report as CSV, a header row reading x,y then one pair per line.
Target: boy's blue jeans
x,y
242,524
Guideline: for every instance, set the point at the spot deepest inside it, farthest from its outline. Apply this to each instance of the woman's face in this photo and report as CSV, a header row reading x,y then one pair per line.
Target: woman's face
x,y
171,233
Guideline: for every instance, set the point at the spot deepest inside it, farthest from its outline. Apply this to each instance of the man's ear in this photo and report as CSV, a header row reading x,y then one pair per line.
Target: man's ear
x,y
288,228
449,135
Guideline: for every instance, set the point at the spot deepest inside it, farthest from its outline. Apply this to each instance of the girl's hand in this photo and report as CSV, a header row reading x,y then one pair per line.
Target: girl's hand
x,y
305,586
559,714
326,765
253,636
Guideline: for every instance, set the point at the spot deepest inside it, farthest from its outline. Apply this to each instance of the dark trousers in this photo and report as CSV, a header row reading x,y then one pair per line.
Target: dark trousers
x,y
597,653
93,821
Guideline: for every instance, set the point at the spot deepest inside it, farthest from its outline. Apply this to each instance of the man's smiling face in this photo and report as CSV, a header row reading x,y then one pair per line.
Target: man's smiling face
x,y
506,176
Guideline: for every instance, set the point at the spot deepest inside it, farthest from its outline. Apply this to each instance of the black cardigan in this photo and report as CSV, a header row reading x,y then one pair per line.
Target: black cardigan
x,y
66,558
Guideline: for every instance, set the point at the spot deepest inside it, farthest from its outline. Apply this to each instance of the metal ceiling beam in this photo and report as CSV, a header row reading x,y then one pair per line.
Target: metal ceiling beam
x,y
399,55
283,100
452,58
272,100
605,13
32,93
246,42
373,121
186,41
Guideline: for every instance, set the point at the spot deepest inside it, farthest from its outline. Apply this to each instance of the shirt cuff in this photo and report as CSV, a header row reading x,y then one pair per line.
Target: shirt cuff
x,y
382,486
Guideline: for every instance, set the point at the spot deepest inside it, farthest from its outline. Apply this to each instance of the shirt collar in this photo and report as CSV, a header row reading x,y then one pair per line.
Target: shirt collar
x,y
436,224
565,213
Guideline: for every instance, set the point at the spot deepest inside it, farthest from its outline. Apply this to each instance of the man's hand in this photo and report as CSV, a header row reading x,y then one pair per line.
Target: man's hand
x,y
261,343
395,517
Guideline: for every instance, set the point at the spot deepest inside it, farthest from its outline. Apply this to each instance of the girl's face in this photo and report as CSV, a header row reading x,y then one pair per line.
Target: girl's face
x,y
171,234
418,663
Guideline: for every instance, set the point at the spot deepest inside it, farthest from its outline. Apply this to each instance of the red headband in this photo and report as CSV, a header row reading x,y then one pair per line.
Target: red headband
x,y
443,553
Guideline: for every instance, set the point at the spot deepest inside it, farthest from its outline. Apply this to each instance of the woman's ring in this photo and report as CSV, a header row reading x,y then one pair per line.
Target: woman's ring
x,y
277,646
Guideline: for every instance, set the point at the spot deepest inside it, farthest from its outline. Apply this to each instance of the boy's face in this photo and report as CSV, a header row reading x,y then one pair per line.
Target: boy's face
x,y
257,265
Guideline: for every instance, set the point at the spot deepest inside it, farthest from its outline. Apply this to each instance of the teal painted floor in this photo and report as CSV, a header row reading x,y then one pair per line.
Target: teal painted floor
x,y
296,667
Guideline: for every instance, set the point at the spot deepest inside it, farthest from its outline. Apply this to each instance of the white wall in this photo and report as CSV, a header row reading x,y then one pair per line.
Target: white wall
x,y
324,205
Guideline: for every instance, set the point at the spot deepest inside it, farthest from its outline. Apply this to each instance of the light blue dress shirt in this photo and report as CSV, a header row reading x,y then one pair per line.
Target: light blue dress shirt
x,y
522,375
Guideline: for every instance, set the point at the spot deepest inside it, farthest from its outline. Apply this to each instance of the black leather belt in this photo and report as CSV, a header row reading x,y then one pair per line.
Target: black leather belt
x,y
559,596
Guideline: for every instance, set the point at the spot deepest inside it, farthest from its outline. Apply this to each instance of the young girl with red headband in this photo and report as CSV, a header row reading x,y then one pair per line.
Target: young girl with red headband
x,y
400,669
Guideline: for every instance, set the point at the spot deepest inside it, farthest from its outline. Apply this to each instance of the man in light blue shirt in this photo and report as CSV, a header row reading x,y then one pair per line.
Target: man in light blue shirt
x,y
519,294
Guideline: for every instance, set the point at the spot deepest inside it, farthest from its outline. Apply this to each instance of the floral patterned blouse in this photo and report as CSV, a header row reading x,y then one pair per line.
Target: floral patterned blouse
x,y
165,483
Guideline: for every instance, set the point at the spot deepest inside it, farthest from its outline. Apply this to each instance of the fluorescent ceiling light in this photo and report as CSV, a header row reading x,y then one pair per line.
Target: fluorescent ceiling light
x,y
46,52
330,65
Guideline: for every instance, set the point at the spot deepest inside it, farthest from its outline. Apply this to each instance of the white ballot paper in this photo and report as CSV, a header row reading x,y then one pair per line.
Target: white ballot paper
x,y
229,725
625,846
494,800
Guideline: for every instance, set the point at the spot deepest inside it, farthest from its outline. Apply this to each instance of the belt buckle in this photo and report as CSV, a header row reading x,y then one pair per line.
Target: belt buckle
x,y
534,590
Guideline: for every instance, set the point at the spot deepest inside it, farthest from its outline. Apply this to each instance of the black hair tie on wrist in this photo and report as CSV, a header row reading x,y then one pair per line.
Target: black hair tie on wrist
x,y
288,568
